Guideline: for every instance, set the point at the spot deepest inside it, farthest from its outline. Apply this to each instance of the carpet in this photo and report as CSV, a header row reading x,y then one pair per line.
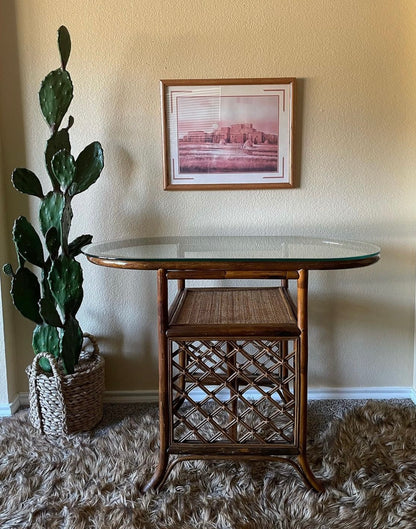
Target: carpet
x,y
364,452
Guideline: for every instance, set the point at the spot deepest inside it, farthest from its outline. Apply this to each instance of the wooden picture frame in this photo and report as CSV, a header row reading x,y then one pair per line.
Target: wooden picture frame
x,y
228,133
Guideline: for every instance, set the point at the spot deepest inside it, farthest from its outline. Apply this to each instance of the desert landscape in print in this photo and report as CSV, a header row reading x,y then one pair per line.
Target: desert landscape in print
x,y
228,134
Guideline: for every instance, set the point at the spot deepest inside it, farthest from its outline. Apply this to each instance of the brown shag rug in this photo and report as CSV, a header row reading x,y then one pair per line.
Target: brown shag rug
x,y
365,453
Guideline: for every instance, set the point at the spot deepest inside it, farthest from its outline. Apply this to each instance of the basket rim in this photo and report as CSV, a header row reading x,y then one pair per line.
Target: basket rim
x,y
83,367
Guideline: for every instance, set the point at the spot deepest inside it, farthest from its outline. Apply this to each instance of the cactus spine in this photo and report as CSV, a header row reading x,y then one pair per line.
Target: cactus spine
x,y
53,300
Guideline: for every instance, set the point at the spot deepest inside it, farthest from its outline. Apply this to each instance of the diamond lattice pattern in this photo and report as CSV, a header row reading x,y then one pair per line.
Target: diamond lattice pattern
x,y
234,391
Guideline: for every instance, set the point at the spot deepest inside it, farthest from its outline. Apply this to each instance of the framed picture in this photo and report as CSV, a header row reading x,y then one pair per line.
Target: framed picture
x,y
228,134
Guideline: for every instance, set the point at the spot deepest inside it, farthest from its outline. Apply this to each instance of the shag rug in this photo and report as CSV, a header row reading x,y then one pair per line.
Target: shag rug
x,y
364,452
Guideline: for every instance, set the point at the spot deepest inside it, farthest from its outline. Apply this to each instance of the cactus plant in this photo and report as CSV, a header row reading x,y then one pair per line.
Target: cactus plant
x,y
52,298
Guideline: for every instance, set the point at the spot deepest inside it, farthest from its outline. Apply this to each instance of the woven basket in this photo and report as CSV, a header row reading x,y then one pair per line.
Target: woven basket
x,y
66,404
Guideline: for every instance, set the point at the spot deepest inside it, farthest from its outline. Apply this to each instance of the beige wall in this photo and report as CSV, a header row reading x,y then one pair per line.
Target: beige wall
x,y
354,60
5,390
12,150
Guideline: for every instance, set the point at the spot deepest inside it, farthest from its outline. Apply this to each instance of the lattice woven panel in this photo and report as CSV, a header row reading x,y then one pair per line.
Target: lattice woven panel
x,y
240,392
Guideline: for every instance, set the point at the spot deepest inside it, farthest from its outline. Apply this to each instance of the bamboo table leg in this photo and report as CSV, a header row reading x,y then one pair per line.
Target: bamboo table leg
x,y
303,383
162,301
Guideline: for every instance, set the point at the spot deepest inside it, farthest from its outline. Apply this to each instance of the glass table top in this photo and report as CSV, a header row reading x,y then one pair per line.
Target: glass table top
x,y
231,248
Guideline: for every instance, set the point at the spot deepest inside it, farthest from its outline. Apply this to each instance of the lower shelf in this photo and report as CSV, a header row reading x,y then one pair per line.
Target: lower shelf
x,y
225,374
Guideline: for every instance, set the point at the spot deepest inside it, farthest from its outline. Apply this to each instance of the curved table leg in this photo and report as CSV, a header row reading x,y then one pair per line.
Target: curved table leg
x,y
301,466
159,475
308,475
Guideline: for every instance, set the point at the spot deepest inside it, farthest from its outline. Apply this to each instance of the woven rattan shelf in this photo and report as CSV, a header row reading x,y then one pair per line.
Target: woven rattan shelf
x,y
222,312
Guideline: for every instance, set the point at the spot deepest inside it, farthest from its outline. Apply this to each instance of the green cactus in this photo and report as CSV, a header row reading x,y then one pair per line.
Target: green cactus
x,y
70,344
50,212
57,142
47,307
53,301
65,282
27,182
46,339
63,167
25,292
66,223
8,270
77,244
55,96
64,45
89,165
28,242
52,242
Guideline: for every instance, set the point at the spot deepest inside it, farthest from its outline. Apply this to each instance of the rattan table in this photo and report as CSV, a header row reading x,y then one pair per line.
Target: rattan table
x,y
233,356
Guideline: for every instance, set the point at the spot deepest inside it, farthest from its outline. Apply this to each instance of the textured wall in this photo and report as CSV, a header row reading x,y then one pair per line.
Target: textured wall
x,y
3,372
11,149
355,152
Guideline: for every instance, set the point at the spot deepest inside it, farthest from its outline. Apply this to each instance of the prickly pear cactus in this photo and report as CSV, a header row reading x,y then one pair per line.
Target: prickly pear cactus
x,y
51,298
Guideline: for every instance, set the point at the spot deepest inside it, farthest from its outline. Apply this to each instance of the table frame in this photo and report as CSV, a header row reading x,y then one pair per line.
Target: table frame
x,y
230,269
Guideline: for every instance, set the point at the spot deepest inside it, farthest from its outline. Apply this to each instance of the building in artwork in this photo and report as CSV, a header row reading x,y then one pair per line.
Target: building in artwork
x,y
195,136
242,132
237,133
222,135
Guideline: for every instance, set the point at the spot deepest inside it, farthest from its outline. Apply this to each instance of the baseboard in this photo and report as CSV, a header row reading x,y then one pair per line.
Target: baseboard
x,y
373,393
9,409
376,393
370,393
131,397
138,396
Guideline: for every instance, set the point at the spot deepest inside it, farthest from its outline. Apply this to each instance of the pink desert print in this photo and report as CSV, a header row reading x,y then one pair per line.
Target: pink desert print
x,y
228,134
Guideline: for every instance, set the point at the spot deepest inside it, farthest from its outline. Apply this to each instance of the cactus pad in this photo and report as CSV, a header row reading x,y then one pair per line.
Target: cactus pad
x,y
52,242
89,165
27,182
8,269
51,210
71,344
65,281
55,96
45,340
48,310
27,242
77,244
26,294
64,45
63,167
58,141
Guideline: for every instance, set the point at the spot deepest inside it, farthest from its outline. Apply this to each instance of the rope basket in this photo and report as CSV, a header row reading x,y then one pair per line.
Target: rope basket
x,y
66,404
